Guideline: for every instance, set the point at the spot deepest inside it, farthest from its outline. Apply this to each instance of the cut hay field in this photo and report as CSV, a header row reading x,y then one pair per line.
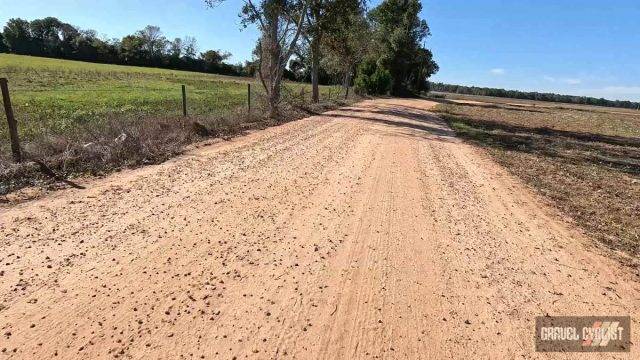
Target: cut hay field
x,y
53,96
532,103
585,159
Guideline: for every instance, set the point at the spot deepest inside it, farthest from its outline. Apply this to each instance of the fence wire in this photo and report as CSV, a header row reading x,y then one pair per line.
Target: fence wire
x,y
56,111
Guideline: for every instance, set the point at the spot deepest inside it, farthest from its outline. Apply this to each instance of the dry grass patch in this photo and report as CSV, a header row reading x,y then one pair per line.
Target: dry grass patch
x,y
587,162
101,147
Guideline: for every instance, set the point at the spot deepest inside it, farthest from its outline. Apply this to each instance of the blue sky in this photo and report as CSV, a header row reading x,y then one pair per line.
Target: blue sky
x,y
577,47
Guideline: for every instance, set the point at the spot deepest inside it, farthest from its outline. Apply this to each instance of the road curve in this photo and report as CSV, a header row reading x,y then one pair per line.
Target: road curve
x,y
364,233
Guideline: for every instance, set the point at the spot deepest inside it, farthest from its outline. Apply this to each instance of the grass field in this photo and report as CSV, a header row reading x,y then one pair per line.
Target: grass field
x,y
52,96
73,114
586,160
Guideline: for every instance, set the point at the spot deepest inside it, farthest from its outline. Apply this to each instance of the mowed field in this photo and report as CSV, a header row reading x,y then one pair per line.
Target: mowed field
x,y
53,96
585,159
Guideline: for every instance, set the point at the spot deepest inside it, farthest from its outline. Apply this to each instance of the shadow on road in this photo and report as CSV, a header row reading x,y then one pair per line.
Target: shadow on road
x,y
417,121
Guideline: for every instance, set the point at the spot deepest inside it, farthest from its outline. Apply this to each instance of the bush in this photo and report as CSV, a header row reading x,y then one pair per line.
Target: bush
x,y
371,79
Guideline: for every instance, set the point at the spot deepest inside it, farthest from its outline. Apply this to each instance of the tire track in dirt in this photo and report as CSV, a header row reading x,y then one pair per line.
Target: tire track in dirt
x,y
366,232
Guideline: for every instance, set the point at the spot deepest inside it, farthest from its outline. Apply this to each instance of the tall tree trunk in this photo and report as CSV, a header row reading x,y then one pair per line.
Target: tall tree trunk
x,y
346,81
274,52
271,52
315,68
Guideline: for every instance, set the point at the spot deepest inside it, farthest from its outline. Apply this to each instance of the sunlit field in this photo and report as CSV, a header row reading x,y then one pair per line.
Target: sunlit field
x,y
53,96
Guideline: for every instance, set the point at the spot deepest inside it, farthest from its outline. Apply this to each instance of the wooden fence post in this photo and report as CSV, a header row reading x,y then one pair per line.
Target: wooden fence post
x,y
249,98
13,127
184,100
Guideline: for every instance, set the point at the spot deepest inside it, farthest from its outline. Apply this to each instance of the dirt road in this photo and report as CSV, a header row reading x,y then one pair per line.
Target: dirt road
x,y
368,232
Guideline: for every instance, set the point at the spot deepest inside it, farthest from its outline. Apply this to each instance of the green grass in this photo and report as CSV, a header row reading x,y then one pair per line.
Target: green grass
x,y
54,97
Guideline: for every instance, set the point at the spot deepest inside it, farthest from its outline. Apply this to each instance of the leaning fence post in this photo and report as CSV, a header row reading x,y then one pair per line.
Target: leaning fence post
x,y
13,127
184,100
249,98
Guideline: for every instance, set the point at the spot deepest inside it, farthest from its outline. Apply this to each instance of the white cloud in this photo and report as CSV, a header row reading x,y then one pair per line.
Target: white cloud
x,y
572,81
497,71
631,93
622,90
568,81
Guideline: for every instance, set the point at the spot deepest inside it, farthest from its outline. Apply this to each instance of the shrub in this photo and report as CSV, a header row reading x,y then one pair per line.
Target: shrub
x,y
372,79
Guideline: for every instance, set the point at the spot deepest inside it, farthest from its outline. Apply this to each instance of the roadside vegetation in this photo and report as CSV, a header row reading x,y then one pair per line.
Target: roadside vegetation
x,y
587,162
80,118
52,97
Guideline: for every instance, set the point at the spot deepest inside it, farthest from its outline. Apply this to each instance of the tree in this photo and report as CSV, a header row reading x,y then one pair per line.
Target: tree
x,y
175,48
68,36
153,42
298,69
147,47
372,79
316,22
174,53
420,69
399,33
348,40
213,59
17,36
132,50
84,46
3,46
280,25
474,90
45,35
189,47
325,18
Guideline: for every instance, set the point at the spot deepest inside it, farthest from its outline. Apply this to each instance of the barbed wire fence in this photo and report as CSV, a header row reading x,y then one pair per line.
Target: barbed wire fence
x,y
34,112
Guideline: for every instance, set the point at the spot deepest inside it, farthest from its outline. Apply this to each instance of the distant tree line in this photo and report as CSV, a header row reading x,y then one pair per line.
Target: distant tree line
x,y
515,94
50,37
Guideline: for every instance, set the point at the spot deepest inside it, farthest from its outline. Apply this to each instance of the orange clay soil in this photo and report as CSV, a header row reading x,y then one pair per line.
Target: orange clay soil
x,y
366,232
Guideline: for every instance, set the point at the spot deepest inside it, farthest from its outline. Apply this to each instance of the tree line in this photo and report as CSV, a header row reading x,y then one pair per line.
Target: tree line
x,y
515,94
50,37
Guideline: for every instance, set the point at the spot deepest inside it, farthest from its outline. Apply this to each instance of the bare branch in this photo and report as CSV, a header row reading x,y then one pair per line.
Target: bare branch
x,y
260,76
256,13
299,30
283,38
